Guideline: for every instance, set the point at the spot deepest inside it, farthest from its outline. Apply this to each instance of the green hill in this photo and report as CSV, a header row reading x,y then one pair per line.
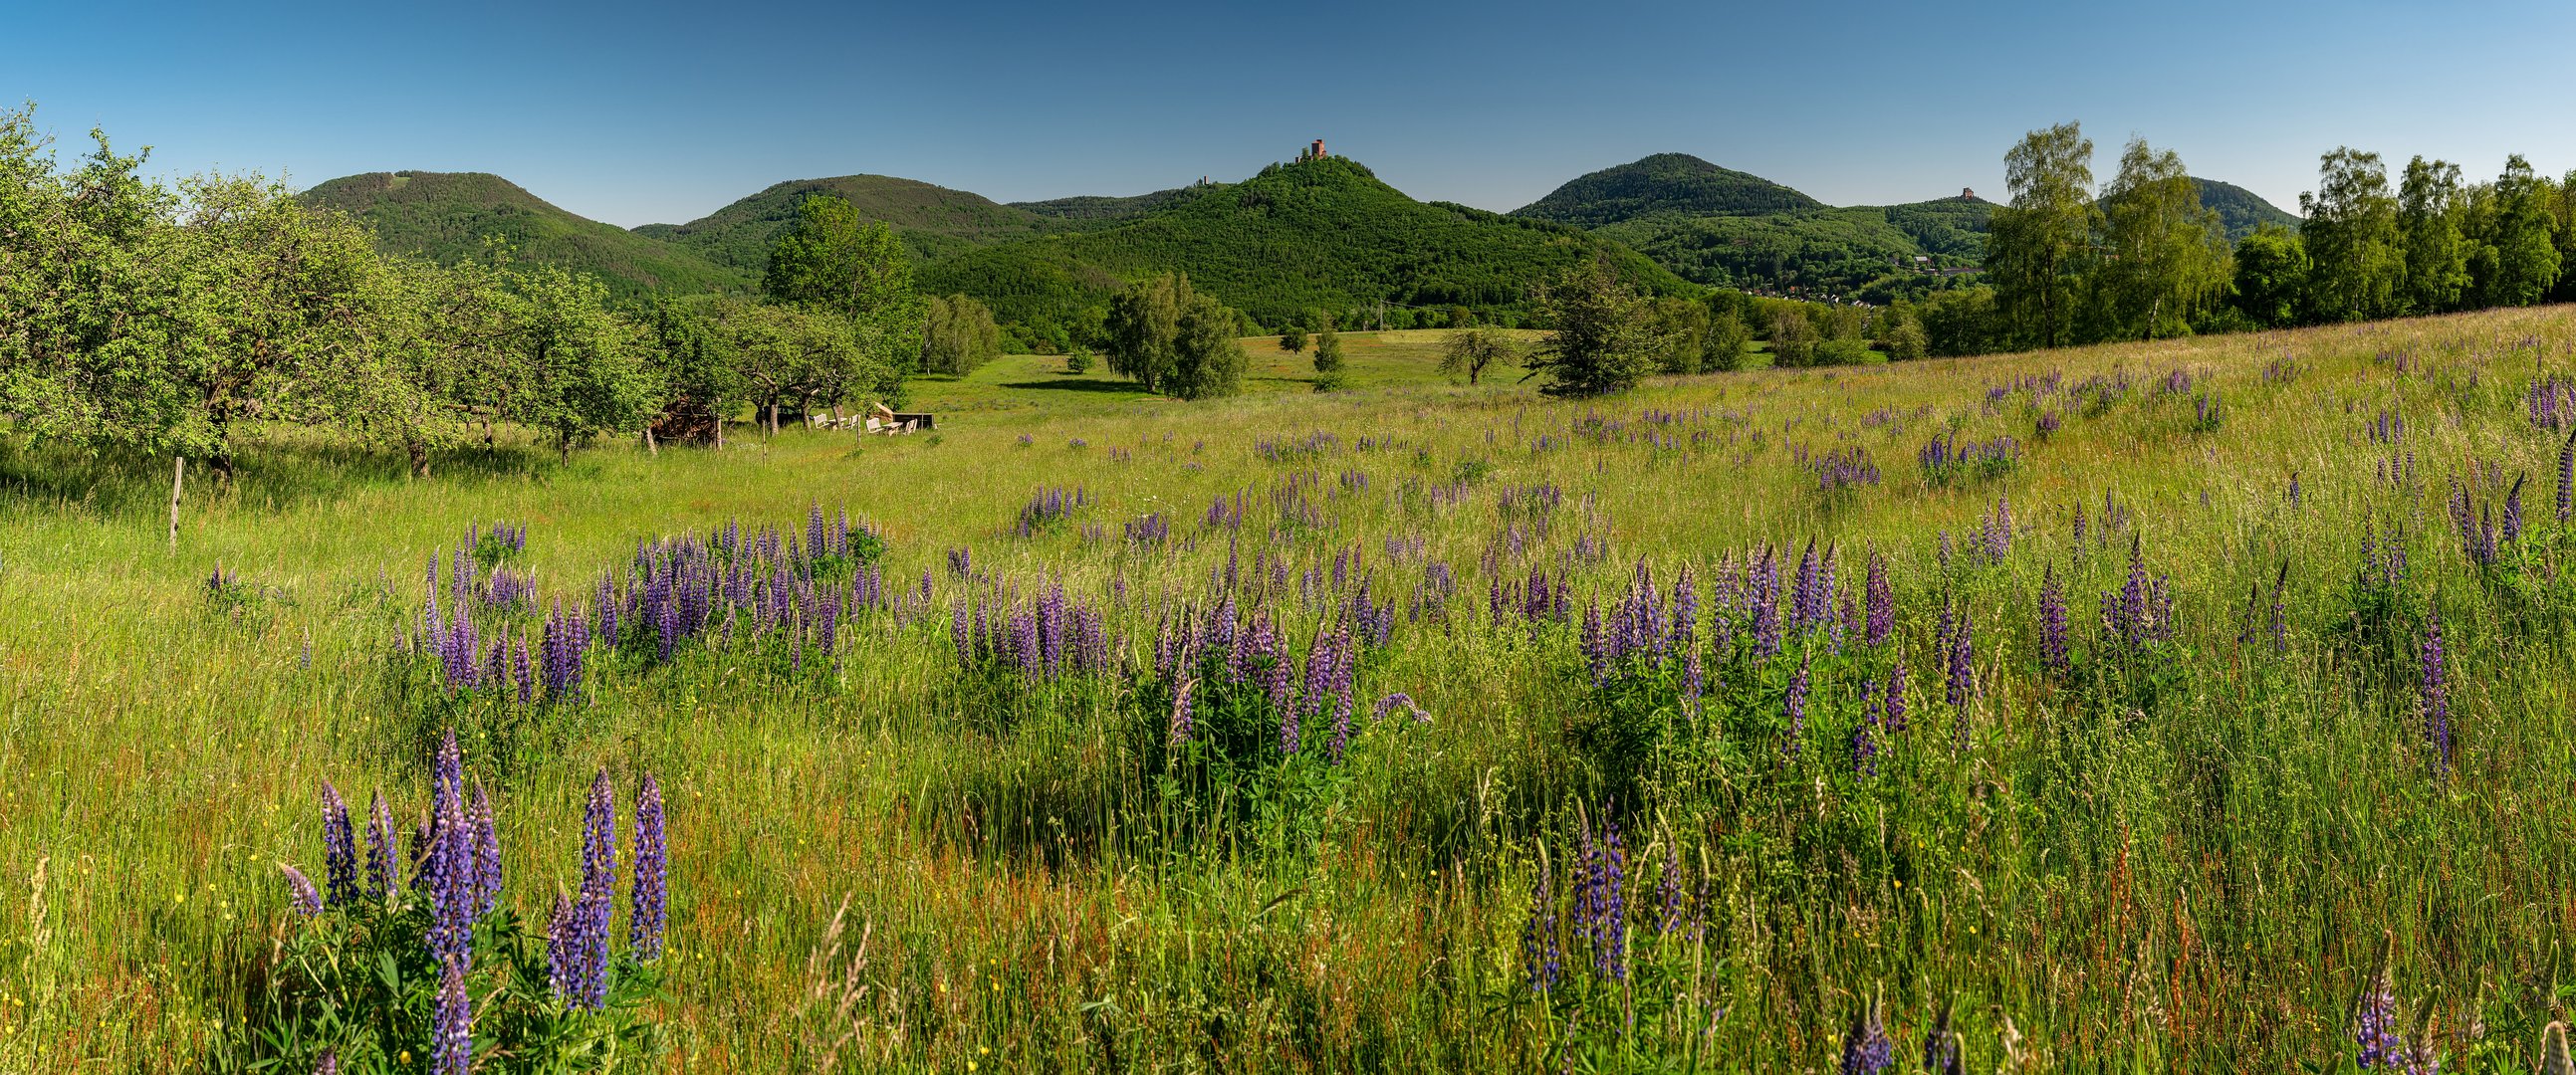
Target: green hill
x,y
1318,235
2242,210
1724,228
935,222
446,216
1666,184
1093,210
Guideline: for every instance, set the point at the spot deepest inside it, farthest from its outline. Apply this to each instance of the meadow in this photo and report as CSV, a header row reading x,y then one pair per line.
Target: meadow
x,y
2225,673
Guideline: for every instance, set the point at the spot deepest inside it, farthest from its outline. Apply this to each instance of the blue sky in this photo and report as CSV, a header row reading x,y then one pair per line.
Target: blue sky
x,y
635,113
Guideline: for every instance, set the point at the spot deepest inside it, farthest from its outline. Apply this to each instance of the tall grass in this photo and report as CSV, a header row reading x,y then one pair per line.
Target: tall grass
x,y
874,866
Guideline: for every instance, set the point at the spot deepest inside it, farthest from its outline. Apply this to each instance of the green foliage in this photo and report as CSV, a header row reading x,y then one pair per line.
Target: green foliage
x,y
1793,339
2041,244
1666,184
1602,337
450,217
1469,353
2167,261
1328,351
1325,234
1292,339
1170,339
2272,277
2355,260
359,983
957,335
933,222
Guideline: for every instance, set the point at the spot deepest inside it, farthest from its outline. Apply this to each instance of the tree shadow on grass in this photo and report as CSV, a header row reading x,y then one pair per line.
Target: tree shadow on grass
x,y
1081,384
274,474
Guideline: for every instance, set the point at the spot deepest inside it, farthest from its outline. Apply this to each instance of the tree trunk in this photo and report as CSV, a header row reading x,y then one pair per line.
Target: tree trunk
x,y
178,478
773,419
650,448
563,448
419,459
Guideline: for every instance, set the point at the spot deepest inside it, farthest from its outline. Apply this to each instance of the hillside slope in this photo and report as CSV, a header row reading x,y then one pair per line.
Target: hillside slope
x,y
1725,228
1322,235
934,221
1666,184
446,216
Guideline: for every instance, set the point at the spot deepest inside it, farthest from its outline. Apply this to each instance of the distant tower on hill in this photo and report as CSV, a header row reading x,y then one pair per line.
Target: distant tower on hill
x,y
1314,152
1967,194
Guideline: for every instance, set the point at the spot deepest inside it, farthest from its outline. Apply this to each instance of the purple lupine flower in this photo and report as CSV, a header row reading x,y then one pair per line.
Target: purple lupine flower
x,y
2434,701
1766,608
1881,599
2513,512
1794,705
382,880
339,849
299,889
1542,957
563,933
1180,735
2567,477
1940,1046
1962,673
599,837
1603,918
1895,695
1864,741
1866,1048
647,914
454,1026
2374,1026
328,1063
450,870
2053,654
1389,703
487,853
2280,619
1669,892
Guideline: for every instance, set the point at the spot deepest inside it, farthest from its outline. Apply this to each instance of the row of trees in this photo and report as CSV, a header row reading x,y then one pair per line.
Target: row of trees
x,y
2434,244
140,317
2143,259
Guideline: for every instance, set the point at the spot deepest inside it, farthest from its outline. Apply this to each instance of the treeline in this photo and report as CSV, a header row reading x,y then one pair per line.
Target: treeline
x,y
2144,259
141,317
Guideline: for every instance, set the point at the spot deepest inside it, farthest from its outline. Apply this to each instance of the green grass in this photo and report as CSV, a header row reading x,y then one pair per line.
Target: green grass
x,y
2197,882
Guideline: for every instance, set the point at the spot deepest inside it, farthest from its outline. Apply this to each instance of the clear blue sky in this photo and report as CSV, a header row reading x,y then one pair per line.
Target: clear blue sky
x,y
635,113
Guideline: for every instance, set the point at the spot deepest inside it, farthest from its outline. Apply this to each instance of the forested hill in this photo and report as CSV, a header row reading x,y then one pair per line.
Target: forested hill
x,y
1100,210
1321,235
1725,228
446,216
1666,184
934,221
2242,210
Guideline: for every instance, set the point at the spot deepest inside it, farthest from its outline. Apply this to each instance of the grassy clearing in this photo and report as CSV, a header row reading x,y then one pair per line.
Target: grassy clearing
x,y
2193,872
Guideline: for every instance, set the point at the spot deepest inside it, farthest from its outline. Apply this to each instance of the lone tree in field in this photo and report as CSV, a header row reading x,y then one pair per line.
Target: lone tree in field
x,y
1173,340
1604,338
1328,359
957,335
1293,338
1470,352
